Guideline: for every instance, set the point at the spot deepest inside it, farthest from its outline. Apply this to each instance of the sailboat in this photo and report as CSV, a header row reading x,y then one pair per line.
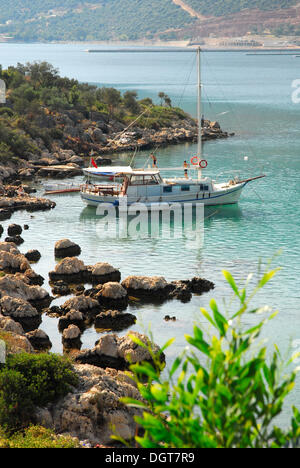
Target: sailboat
x,y
148,186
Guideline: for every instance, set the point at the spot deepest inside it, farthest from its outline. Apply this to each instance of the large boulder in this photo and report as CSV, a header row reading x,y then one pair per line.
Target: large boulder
x,y
93,410
118,352
70,270
66,248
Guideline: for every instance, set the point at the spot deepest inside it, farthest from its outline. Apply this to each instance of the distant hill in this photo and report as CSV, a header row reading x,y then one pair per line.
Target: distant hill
x,y
130,20
60,20
225,7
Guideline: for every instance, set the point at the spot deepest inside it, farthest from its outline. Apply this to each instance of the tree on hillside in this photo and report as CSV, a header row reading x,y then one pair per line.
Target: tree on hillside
x,y
130,102
111,97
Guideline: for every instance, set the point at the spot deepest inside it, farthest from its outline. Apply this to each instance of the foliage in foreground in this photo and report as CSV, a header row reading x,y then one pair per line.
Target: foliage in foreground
x,y
27,381
227,392
37,437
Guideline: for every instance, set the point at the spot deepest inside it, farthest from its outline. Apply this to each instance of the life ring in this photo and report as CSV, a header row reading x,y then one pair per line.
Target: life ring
x,y
195,161
203,164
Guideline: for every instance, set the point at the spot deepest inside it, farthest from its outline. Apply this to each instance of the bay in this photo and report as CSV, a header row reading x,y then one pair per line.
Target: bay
x,y
248,95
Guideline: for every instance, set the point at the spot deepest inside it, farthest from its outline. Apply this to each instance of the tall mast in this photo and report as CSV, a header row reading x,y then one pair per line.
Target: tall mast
x,y
199,111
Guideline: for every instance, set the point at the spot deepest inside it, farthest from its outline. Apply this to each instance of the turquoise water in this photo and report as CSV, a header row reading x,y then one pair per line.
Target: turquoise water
x,y
246,94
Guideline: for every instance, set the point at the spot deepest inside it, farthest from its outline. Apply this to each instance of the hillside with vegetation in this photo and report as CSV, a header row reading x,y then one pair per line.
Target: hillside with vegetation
x,y
226,7
100,20
132,20
45,113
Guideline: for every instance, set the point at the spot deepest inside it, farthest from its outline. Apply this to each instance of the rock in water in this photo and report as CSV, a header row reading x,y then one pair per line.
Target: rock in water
x,y
154,288
14,230
112,296
71,337
66,248
70,270
114,320
105,273
33,255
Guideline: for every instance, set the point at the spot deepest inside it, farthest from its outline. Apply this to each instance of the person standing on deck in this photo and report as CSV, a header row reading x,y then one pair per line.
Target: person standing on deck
x,y
154,159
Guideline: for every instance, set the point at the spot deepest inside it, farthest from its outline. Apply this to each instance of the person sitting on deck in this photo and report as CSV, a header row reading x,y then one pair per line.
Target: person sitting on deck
x,y
186,174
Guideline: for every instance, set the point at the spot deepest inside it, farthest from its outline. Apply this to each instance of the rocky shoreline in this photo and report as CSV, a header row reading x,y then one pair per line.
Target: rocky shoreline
x,y
97,299
102,137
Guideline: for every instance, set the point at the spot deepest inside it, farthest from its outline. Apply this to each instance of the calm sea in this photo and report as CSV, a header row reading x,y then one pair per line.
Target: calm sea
x,y
248,95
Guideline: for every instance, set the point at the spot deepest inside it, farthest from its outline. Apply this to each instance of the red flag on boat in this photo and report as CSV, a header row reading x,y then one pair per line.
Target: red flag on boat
x,y
94,164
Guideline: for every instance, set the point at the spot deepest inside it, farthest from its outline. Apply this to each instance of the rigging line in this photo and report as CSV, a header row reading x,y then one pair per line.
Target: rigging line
x,y
118,135
193,63
238,120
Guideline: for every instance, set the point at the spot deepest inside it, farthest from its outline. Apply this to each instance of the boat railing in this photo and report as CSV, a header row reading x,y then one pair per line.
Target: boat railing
x,y
101,189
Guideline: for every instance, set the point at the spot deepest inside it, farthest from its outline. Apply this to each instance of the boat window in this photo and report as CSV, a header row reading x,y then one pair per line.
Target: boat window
x,y
168,188
143,180
185,188
137,180
201,187
206,188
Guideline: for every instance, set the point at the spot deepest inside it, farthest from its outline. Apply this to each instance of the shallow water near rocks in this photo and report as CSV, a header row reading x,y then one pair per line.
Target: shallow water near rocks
x,y
248,95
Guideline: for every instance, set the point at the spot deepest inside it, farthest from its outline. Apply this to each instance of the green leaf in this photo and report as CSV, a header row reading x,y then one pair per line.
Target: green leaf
x,y
221,322
230,280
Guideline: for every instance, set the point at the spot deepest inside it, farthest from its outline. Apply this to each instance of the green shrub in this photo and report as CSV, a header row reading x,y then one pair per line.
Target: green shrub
x,y
6,110
30,380
37,437
228,392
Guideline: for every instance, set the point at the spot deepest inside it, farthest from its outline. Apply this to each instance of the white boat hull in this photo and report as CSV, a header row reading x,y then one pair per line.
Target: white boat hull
x,y
228,196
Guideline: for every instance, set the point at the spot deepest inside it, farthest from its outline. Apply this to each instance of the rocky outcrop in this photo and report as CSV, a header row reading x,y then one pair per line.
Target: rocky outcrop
x,y
157,289
20,311
13,262
7,324
23,202
93,410
118,352
17,288
73,270
66,248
